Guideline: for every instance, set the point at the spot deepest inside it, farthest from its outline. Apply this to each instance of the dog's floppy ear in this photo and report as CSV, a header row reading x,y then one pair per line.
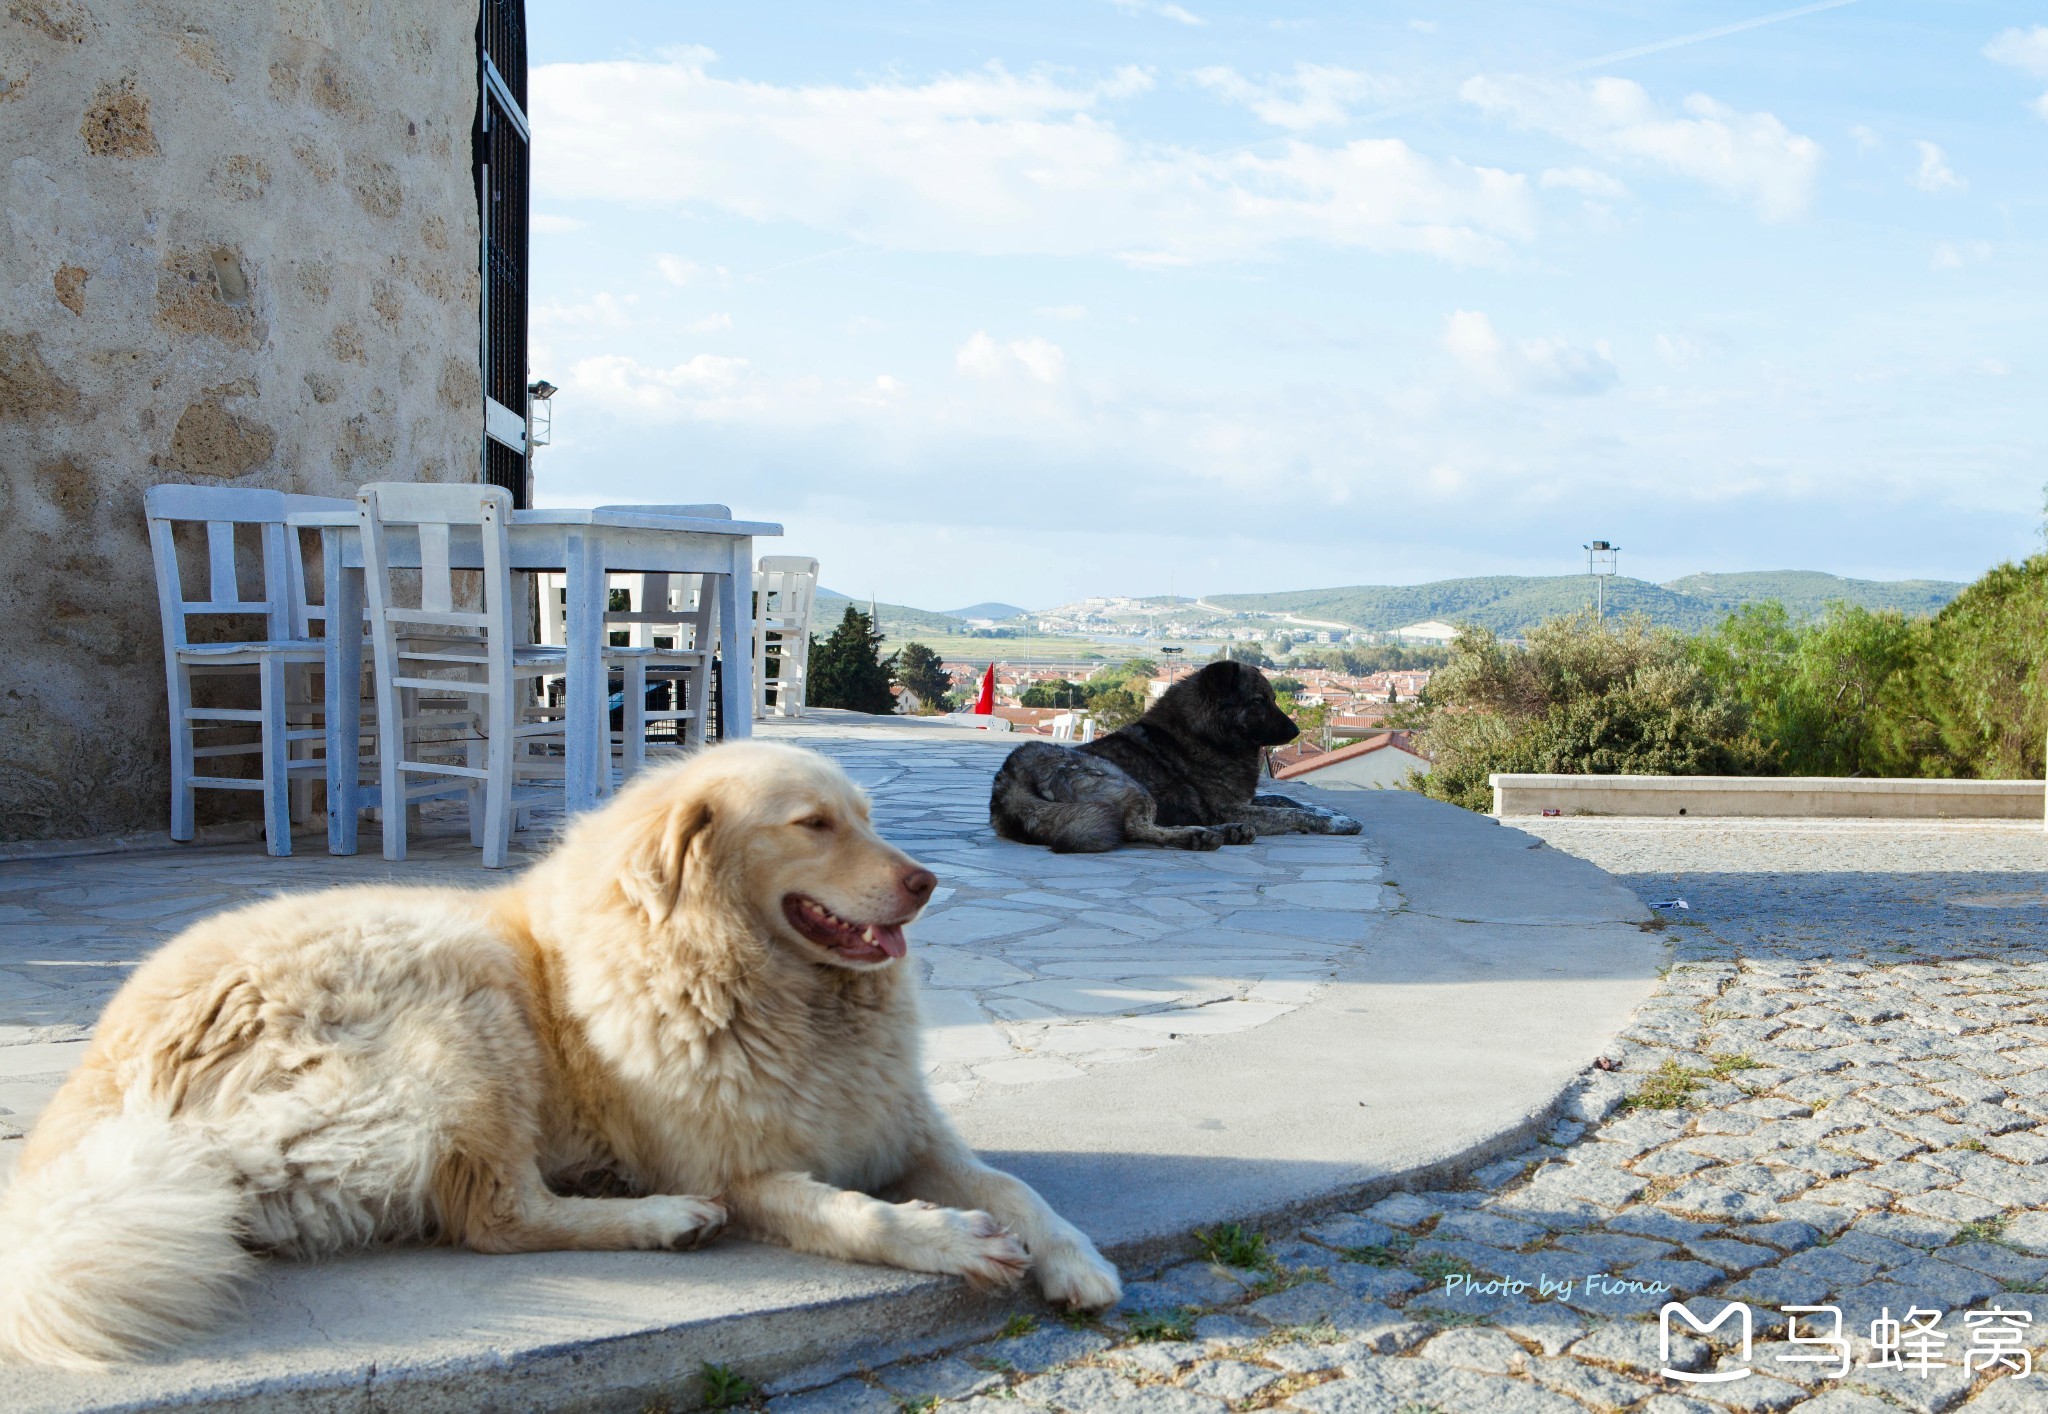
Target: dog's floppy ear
x,y
651,874
1221,675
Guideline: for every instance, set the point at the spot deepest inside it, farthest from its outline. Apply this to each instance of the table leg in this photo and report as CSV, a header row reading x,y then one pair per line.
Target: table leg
x,y
589,725
736,642
343,593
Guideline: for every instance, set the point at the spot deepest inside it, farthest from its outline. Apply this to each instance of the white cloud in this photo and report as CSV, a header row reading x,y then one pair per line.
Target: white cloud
x,y
708,386
1678,350
1934,174
547,223
1165,9
2027,51
601,311
991,162
2022,49
1955,255
1744,156
710,324
1866,137
1529,366
1313,96
1040,360
678,271
1583,180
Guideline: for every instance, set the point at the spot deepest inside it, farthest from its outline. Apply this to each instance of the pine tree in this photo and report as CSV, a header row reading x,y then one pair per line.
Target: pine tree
x,y
848,669
923,672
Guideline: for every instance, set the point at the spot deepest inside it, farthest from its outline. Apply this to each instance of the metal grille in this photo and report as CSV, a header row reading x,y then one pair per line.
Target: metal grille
x,y
502,161
501,37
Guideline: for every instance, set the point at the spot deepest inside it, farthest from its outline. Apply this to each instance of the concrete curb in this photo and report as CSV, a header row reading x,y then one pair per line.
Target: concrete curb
x,y
1809,797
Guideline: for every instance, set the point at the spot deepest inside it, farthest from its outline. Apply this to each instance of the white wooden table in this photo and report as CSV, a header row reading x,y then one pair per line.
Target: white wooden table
x,y
583,545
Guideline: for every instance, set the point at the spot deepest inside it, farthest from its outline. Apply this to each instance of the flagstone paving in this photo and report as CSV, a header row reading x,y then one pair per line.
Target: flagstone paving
x,y
1036,967
1838,1098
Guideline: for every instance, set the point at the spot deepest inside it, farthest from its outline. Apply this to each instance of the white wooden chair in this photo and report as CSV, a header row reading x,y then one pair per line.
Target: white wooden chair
x,y
433,650
784,590
282,660
669,623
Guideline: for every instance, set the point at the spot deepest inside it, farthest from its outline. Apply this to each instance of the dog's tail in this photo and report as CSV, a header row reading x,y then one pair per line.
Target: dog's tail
x,y
126,1242
1031,803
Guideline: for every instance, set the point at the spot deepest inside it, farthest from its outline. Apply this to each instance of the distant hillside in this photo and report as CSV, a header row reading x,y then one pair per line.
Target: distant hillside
x,y
991,610
1516,603
1805,593
898,620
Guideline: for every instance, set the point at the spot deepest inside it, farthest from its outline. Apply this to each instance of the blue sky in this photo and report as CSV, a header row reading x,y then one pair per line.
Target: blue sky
x,y
1026,302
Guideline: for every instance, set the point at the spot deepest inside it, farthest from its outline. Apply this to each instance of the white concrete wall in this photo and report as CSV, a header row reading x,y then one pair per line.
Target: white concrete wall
x,y
1385,769
1787,796
239,248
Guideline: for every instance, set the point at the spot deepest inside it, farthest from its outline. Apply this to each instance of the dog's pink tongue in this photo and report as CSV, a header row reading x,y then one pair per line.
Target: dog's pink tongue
x,y
890,937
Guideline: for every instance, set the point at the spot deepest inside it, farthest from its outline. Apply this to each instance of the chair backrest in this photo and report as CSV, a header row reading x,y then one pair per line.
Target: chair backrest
x,y
433,516
677,607
305,613
220,509
785,588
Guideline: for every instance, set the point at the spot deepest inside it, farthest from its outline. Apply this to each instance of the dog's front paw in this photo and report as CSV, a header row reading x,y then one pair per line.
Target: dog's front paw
x,y
981,1249
1237,832
689,1223
1341,825
1200,837
1075,1276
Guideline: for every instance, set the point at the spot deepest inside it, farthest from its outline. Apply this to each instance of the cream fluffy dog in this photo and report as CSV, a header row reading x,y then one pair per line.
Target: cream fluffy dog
x,y
700,992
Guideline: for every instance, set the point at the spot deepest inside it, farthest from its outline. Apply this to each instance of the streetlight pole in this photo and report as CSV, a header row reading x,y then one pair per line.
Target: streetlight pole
x,y
1602,560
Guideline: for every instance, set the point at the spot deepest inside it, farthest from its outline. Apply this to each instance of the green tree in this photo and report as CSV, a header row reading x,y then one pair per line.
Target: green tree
x,y
1056,693
1115,707
1973,701
1816,694
923,672
848,669
1585,696
1253,653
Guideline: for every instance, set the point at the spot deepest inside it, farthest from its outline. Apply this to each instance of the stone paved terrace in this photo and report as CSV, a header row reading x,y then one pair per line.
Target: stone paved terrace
x,y
1160,1041
1839,1097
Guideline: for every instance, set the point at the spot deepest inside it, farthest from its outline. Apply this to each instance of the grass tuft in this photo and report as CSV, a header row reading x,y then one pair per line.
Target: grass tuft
x,y
1982,1230
1017,1327
723,1387
1433,1267
1231,1245
1380,1254
1172,1323
1670,1086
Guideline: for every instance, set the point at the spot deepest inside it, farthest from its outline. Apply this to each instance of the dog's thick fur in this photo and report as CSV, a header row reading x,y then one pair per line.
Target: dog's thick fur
x,y
658,1009
1184,775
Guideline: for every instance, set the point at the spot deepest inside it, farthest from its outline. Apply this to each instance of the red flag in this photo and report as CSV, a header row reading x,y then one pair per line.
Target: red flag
x,y
986,707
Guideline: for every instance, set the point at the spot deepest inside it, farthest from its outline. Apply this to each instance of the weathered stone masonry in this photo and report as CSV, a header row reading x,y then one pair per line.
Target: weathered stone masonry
x,y
239,247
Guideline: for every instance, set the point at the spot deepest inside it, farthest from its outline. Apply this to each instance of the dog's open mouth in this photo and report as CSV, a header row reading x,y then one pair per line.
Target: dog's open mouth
x,y
856,942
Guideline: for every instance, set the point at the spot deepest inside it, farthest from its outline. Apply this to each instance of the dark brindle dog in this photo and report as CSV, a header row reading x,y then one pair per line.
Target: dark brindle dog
x,y
1184,775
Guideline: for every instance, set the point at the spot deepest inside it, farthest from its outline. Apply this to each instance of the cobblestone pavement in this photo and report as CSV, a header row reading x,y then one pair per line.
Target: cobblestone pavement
x,y
1837,1099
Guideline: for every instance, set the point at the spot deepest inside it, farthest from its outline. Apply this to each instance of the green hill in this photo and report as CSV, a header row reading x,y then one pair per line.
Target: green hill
x,y
1516,603
1805,593
899,621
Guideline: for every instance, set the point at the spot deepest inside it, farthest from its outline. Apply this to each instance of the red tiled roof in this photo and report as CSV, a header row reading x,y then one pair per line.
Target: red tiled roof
x,y
1303,765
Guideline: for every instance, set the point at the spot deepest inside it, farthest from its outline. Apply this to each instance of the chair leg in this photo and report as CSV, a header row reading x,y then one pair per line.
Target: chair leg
x,y
634,719
183,807
474,754
500,758
391,749
276,757
695,694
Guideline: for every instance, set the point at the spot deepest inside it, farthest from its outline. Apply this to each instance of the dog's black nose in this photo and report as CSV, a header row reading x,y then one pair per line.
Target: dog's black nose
x,y
919,883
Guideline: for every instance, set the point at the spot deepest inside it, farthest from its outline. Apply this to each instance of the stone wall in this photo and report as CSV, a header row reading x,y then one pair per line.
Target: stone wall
x,y
240,249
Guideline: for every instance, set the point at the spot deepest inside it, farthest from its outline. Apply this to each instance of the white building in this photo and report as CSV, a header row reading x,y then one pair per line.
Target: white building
x,y
1383,762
